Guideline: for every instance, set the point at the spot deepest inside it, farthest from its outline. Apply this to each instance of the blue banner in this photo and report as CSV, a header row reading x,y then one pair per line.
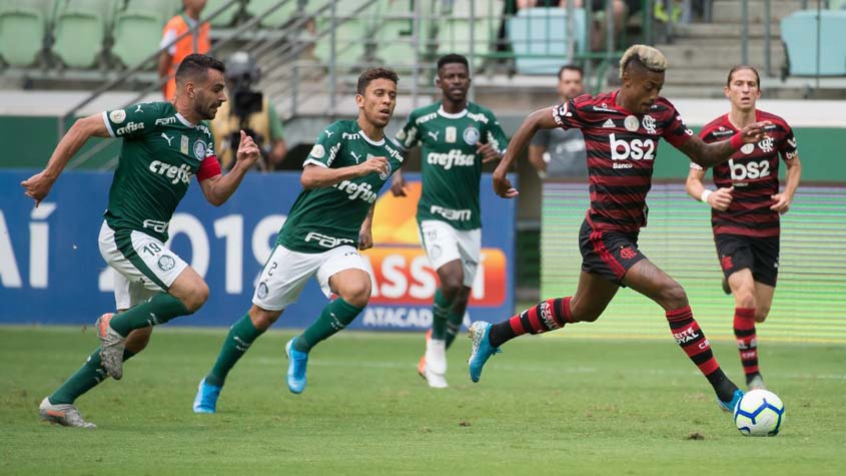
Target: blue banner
x,y
51,270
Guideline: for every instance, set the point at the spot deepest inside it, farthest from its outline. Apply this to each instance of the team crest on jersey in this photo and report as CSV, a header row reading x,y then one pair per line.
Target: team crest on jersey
x,y
631,123
451,135
747,148
649,124
471,135
117,116
766,144
318,151
166,263
200,150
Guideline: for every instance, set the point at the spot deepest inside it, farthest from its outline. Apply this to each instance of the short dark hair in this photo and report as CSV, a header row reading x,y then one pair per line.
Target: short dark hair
x,y
195,65
375,73
452,58
570,67
742,67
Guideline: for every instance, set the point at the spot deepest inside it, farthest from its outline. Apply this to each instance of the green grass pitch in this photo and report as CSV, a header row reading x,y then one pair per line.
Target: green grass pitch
x,y
561,405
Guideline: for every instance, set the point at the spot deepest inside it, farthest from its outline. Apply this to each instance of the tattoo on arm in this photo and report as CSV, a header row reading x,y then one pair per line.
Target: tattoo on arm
x,y
707,155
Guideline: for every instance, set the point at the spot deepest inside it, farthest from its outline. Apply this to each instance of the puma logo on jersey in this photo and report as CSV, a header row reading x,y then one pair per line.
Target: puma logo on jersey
x,y
357,157
138,108
434,134
329,133
168,139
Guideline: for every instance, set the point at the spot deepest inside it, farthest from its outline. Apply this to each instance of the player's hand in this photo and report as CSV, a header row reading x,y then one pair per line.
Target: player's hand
x,y
248,152
501,184
365,239
398,186
720,199
374,165
782,203
754,132
488,153
37,187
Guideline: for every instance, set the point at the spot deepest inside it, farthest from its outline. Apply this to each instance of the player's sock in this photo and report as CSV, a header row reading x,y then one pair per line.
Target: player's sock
x,y
546,316
692,340
454,321
440,309
241,335
87,377
335,316
747,340
157,310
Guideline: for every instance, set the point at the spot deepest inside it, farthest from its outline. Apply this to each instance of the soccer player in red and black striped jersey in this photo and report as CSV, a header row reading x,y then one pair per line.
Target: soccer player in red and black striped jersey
x,y
746,207
621,130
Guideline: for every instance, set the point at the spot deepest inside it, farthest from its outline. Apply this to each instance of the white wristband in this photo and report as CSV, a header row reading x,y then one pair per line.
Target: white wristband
x,y
704,197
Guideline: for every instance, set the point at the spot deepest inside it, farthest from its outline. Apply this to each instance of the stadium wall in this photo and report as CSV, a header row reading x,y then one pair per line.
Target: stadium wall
x,y
51,271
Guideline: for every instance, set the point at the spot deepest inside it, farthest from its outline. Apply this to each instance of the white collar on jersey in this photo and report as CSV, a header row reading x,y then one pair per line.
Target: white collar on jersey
x,y
457,115
184,121
371,141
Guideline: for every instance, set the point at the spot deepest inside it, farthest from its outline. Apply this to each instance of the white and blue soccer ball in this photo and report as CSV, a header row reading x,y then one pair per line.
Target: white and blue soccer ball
x,y
759,413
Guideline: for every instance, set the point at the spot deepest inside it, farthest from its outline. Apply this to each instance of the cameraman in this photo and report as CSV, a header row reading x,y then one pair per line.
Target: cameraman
x,y
251,111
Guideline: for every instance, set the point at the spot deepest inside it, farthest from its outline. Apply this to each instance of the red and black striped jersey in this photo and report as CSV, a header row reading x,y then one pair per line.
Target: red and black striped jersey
x,y
621,149
753,172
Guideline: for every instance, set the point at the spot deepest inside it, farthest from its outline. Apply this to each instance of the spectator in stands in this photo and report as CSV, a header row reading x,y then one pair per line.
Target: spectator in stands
x,y
196,42
250,110
558,152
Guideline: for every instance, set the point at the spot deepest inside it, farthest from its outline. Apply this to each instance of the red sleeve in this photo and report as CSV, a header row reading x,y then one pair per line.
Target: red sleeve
x,y
676,132
208,169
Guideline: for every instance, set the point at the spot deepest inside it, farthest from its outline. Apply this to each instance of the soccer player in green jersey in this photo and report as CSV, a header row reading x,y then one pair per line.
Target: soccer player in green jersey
x,y
164,145
457,137
330,219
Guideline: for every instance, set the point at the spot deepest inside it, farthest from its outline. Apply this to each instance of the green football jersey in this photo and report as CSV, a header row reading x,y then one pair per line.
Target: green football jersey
x,y
328,217
451,166
161,152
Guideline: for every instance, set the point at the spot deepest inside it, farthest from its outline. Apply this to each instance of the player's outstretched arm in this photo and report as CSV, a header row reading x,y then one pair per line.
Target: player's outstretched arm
x,y
540,119
218,189
785,198
719,199
38,186
318,176
708,155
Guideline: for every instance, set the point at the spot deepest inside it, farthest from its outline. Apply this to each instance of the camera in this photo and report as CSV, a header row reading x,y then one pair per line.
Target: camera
x,y
242,73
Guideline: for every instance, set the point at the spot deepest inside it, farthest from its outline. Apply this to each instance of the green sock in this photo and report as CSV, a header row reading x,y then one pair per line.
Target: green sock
x,y
454,321
157,310
440,310
241,336
87,377
335,316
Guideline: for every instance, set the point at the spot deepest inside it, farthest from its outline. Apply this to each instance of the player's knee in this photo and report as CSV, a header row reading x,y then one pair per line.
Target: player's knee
x,y
745,299
262,319
452,285
198,296
673,296
357,293
584,313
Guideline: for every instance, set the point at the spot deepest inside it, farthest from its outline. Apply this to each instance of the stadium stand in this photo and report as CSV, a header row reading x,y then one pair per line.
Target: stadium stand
x,y
539,44
24,25
799,33
82,29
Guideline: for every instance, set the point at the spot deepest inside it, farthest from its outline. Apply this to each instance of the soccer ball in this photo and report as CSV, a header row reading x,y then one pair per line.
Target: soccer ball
x,y
759,413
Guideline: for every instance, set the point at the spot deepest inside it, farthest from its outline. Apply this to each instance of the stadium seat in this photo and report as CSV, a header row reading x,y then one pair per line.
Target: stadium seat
x,y
278,17
23,27
352,34
799,33
137,36
227,17
395,30
538,32
837,4
454,28
80,30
